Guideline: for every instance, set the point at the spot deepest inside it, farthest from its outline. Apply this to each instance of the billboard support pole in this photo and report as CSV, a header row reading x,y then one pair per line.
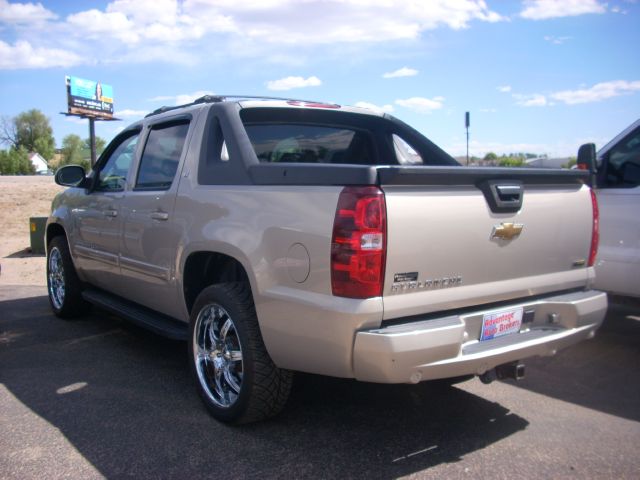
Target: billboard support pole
x,y
92,139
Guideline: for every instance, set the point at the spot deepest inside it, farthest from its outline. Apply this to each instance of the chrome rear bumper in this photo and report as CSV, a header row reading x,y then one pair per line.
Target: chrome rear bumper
x,y
450,346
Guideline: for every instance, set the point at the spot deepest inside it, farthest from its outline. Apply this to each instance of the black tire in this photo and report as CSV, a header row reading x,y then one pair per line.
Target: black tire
x,y
63,285
234,391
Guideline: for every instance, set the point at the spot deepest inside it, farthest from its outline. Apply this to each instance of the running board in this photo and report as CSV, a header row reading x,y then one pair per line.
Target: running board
x,y
141,316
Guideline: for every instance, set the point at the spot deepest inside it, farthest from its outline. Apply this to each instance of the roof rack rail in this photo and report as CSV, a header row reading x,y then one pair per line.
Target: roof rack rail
x,y
204,99
222,98
254,97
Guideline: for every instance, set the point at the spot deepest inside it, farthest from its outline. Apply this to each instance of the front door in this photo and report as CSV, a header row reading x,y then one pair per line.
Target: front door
x,y
98,217
618,263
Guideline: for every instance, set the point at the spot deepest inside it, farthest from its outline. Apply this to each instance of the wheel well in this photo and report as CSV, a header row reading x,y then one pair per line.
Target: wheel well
x,y
203,269
54,230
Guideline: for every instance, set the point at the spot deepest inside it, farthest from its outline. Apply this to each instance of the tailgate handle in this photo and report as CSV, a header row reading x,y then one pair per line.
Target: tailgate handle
x,y
503,196
509,193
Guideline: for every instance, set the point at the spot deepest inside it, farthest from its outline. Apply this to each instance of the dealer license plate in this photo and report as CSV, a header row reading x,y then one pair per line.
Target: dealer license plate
x,y
504,322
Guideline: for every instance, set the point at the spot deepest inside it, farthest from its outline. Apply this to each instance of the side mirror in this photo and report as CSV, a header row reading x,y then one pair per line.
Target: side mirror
x,y
587,158
71,176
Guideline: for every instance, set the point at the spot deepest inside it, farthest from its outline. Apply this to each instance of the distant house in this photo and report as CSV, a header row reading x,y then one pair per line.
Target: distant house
x,y
39,163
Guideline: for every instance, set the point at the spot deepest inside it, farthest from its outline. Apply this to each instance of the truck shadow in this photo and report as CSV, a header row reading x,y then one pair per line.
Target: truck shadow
x,y
124,399
602,373
25,253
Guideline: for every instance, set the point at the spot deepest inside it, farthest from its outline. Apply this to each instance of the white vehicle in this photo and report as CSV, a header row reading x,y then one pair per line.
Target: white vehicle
x,y
618,192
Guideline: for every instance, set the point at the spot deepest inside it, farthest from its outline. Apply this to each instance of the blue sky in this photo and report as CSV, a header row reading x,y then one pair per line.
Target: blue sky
x,y
540,76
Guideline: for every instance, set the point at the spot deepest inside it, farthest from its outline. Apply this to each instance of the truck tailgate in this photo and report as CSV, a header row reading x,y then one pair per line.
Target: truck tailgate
x,y
443,251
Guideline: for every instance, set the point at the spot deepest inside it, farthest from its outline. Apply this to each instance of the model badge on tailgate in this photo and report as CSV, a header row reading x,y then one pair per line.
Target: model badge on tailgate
x,y
408,281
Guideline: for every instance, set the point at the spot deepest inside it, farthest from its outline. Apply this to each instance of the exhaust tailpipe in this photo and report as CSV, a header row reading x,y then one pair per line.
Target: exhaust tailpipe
x,y
513,370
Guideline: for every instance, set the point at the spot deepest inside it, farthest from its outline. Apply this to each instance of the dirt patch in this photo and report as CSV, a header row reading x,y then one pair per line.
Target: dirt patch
x,y
22,197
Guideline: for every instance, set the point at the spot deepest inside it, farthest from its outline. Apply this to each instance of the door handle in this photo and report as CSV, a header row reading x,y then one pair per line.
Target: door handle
x,y
111,213
160,216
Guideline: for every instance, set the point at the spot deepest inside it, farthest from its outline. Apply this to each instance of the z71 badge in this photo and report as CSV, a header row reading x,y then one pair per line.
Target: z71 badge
x,y
408,282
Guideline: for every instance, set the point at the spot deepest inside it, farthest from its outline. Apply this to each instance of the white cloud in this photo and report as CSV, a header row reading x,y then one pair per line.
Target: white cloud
x,y
188,31
343,21
556,40
96,24
401,72
598,92
182,98
542,9
23,55
532,100
24,13
288,83
504,88
129,113
421,104
371,106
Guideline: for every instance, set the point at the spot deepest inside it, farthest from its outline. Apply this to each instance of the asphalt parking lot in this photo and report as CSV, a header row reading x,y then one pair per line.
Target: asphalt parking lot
x,y
99,398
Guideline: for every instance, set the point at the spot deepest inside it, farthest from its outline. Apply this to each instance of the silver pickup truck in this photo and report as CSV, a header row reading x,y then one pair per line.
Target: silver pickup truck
x,y
278,236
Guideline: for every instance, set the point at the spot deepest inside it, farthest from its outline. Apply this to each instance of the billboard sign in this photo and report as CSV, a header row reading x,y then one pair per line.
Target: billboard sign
x,y
89,98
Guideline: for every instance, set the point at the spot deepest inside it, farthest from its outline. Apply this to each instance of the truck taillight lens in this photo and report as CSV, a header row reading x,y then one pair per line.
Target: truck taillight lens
x,y
595,230
358,245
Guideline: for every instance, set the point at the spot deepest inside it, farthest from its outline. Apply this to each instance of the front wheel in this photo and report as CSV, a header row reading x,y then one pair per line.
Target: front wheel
x,y
236,378
63,285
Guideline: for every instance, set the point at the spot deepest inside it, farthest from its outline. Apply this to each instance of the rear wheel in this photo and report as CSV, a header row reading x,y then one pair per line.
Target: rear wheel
x,y
63,285
236,378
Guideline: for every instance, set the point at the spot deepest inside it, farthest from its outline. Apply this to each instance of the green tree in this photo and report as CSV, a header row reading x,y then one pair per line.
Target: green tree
x,y
15,161
511,161
74,152
33,132
491,157
572,161
101,143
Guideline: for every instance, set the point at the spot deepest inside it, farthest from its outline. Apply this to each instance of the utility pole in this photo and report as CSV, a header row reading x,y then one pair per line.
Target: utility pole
x,y
92,140
467,122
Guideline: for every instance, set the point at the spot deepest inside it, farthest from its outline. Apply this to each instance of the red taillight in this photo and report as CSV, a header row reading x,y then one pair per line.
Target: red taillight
x,y
595,230
358,245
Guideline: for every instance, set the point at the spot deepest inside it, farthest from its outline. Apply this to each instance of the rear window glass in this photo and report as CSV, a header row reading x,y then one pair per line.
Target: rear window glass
x,y
305,143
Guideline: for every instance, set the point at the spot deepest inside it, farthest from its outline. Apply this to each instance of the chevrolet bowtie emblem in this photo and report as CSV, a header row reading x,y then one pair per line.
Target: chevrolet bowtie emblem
x,y
507,230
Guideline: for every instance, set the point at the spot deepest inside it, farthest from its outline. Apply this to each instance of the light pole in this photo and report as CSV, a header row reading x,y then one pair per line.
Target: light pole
x,y
467,122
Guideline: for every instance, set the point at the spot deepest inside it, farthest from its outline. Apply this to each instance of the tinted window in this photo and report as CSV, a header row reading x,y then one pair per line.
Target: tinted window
x,y
623,166
300,143
113,175
161,156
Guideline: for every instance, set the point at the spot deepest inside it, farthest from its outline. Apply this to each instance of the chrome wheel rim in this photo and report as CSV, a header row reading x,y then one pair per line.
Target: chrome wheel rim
x,y
218,355
56,278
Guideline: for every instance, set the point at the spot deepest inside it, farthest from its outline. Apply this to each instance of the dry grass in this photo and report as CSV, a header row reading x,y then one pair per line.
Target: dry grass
x,y
22,197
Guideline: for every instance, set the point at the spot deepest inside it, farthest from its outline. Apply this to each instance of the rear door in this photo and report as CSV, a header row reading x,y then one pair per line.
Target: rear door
x,y
150,235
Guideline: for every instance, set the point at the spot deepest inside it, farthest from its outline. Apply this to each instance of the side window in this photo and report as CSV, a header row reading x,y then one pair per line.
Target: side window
x,y
309,143
113,175
623,165
161,156
405,153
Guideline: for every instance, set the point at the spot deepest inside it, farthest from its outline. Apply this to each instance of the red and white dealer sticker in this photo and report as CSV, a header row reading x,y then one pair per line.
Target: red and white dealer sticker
x,y
504,322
